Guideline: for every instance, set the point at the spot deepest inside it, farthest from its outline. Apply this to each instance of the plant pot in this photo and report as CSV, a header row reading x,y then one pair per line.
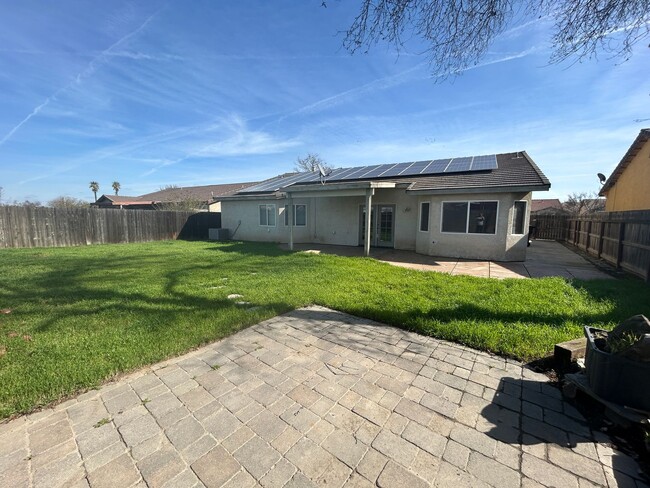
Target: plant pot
x,y
616,378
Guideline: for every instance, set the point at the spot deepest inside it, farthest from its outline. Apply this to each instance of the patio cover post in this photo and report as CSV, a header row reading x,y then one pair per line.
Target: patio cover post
x,y
290,210
366,242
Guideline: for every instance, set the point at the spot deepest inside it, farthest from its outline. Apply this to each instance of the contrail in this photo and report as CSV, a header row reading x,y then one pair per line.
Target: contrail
x,y
87,71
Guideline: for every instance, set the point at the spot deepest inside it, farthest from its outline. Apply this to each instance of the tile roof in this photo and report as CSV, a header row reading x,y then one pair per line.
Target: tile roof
x,y
205,193
541,204
515,170
639,142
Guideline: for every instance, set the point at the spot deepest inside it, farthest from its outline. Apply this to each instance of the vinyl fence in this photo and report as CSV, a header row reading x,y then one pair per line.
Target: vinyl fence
x,y
56,227
620,238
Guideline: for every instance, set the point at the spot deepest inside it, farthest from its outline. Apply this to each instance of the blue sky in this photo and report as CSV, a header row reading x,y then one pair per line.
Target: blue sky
x,y
152,93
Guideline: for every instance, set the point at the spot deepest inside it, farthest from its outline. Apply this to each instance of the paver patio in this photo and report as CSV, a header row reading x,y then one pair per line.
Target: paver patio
x,y
543,258
317,398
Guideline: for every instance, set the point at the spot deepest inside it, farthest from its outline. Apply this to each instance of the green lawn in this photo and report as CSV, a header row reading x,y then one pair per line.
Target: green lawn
x,y
82,315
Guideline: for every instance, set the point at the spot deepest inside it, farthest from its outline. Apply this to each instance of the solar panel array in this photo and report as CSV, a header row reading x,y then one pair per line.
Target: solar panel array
x,y
381,171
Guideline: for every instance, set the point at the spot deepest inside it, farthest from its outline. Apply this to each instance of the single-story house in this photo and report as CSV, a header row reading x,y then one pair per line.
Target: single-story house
x,y
549,206
123,202
627,187
472,207
202,198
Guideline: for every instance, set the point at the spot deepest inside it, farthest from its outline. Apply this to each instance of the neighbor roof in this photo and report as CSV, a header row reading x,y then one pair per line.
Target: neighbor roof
x,y
641,139
537,205
122,200
514,170
205,193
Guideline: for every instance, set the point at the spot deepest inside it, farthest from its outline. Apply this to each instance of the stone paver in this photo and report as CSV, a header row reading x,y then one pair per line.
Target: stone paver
x,y
317,398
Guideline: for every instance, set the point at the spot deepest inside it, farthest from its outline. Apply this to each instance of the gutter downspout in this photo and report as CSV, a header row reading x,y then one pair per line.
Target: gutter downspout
x,y
366,242
290,210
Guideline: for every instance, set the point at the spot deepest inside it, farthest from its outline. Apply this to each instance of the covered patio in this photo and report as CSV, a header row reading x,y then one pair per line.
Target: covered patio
x,y
544,258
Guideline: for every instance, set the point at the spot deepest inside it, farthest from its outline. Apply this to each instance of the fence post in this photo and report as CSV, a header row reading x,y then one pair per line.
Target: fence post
x,y
601,237
621,237
588,236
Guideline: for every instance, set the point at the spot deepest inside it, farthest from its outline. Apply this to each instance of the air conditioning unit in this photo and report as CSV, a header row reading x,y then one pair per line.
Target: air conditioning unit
x,y
218,234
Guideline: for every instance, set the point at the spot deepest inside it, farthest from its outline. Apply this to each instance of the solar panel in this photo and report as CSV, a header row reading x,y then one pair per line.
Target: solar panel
x,y
415,168
396,170
375,171
484,162
459,164
437,166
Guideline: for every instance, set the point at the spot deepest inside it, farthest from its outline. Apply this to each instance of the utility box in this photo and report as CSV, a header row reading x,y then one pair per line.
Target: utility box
x,y
218,234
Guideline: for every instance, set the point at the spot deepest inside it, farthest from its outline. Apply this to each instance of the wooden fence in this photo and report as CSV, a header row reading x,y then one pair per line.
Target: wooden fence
x,y
56,227
620,238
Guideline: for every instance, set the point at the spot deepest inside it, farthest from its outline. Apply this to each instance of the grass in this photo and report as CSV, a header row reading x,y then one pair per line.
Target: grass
x,y
82,315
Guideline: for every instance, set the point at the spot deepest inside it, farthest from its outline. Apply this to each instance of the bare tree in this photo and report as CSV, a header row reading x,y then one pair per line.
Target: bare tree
x,y
178,199
67,202
116,187
94,187
311,163
1,191
584,203
458,33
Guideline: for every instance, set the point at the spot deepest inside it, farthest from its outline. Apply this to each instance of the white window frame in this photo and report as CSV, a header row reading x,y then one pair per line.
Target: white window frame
x,y
469,205
286,215
420,217
524,227
267,207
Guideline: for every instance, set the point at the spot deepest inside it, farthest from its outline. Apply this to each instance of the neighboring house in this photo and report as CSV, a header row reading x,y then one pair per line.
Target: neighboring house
x,y
473,207
205,197
122,202
627,187
550,206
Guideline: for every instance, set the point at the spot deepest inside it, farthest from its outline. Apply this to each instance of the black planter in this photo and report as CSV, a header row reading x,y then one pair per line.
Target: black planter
x,y
616,378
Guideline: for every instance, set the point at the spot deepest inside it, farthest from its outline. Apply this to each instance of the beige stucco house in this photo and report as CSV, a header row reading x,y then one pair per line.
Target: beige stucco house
x,y
627,187
472,207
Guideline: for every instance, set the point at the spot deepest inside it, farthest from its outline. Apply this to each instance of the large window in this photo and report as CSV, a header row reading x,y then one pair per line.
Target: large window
x,y
469,217
424,216
519,218
267,215
299,215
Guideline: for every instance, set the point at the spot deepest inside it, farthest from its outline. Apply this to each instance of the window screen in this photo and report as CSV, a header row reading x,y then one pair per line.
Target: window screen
x,y
482,217
454,217
267,215
299,215
424,216
519,218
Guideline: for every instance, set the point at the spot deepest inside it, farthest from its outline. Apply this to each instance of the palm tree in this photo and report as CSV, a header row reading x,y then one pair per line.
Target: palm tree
x,y
94,187
116,186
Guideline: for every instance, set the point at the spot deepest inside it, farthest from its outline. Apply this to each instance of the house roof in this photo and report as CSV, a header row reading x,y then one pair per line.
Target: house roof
x,y
514,171
639,142
122,200
541,204
205,193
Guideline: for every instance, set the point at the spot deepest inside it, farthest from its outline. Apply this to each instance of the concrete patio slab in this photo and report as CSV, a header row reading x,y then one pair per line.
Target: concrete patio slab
x,y
317,398
544,259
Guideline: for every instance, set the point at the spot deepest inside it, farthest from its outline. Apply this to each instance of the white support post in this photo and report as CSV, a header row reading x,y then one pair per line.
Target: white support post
x,y
366,242
290,210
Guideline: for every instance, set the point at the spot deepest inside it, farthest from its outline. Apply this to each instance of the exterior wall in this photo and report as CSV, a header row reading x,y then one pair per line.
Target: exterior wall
x,y
336,220
501,246
630,192
214,207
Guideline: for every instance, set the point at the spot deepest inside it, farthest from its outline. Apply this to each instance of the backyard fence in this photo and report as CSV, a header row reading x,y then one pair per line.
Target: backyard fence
x,y
59,227
620,238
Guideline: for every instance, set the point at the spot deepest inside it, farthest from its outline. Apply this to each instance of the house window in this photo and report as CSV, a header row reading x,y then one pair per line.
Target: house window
x,y
424,216
454,217
469,217
267,215
519,218
299,215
